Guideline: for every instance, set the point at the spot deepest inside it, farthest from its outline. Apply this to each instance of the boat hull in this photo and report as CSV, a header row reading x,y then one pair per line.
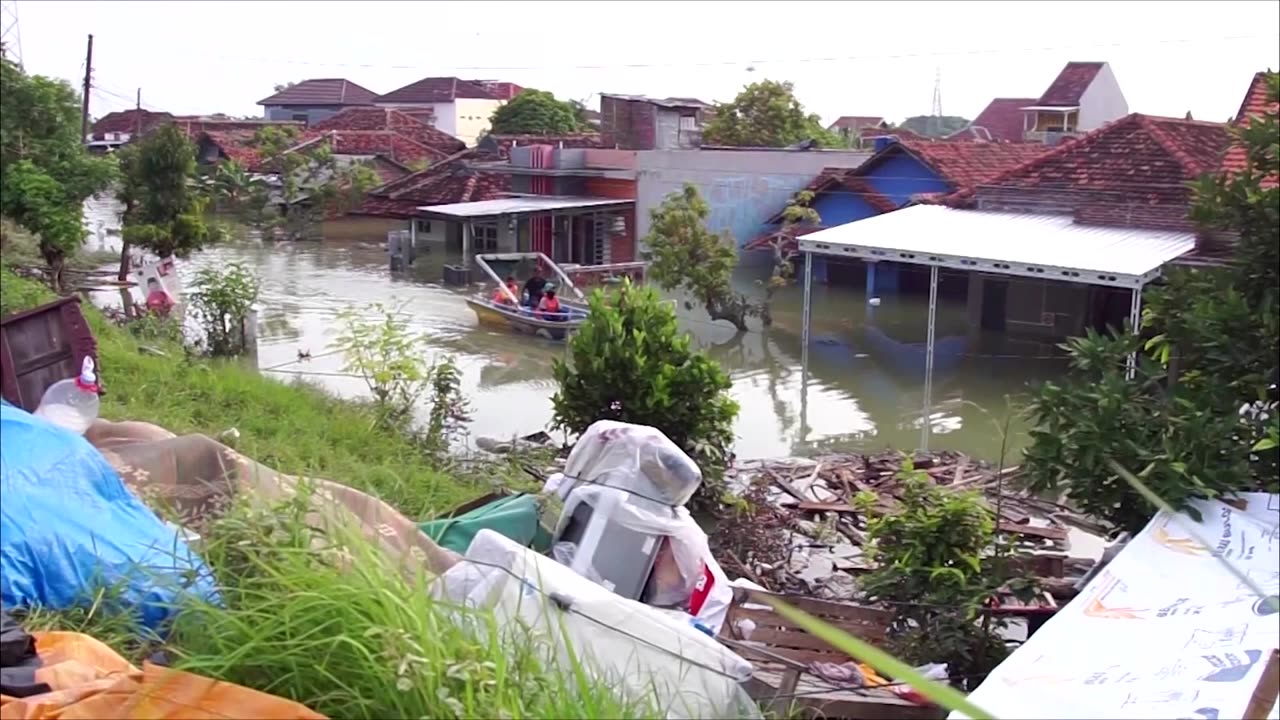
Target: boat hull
x,y
523,321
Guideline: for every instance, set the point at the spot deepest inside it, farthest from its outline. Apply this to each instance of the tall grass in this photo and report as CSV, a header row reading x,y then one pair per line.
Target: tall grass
x,y
341,629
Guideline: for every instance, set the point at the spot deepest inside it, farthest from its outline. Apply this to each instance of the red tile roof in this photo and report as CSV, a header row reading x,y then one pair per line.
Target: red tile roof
x,y
856,122
1067,89
437,90
448,181
235,145
391,120
1002,118
387,143
126,121
968,164
1256,104
193,125
322,91
388,170
501,90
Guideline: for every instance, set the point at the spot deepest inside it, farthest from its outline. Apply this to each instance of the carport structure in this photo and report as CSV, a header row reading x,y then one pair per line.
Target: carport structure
x,y
1047,247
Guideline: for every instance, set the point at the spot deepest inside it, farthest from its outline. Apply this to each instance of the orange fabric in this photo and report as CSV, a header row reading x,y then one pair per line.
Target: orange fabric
x,y
90,681
501,297
550,304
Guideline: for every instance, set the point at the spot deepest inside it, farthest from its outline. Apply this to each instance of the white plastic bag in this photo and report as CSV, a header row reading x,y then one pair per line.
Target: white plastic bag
x,y
636,458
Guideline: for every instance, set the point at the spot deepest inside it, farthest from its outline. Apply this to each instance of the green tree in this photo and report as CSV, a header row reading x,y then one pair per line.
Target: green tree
x,y
934,126
311,181
798,214
1215,336
684,255
46,173
630,362
766,114
164,213
935,570
534,111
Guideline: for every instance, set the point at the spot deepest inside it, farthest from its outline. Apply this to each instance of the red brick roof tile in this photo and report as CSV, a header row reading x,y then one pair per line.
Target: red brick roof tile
x,y
369,119
235,145
126,121
321,91
968,164
387,143
1136,159
448,181
1069,86
437,90
1256,104
500,90
1002,118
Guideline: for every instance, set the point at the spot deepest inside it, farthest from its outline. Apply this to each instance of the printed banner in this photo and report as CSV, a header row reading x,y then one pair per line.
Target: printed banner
x,y
1163,631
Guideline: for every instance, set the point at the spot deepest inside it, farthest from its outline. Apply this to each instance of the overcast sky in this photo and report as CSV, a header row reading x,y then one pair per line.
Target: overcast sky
x,y
845,58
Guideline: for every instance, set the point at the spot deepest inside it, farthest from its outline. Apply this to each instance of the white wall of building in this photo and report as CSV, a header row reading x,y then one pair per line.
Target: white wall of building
x,y
471,118
1102,101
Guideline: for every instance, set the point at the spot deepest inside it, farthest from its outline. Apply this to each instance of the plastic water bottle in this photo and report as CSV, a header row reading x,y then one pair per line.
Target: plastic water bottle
x,y
72,403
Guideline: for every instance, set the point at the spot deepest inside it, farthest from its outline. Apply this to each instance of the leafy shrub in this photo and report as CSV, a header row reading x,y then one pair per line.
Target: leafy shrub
x,y
398,370
222,299
935,570
631,363
19,293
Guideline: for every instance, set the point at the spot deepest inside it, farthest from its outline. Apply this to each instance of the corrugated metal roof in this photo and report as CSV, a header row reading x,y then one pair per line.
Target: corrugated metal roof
x,y
1052,247
520,205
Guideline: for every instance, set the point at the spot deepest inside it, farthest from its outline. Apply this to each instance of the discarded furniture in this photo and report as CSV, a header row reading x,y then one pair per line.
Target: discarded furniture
x,y
782,653
40,346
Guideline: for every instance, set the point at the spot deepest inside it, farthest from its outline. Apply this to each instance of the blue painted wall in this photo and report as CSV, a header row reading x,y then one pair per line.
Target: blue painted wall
x,y
897,176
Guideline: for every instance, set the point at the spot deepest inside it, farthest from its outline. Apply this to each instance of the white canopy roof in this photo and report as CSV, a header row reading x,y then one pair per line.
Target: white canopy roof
x,y
1043,246
522,206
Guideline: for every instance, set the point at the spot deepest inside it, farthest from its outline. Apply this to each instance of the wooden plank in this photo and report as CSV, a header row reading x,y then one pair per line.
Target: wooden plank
x,y
810,506
1266,691
779,639
770,619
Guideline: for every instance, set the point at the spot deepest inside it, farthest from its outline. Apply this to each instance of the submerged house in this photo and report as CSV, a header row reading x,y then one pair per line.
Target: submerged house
x,y
899,171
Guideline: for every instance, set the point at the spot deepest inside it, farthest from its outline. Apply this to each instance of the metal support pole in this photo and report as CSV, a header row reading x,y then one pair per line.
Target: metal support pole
x,y
808,308
466,244
928,358
1135,326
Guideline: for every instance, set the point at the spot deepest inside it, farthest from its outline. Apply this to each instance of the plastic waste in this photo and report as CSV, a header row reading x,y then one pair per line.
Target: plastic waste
x,y
69,526
72,404
644,653
636,458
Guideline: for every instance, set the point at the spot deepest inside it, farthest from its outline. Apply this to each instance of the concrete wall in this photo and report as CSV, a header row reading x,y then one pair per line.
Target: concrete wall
x,y
743,187
313,114
471,118
1102,101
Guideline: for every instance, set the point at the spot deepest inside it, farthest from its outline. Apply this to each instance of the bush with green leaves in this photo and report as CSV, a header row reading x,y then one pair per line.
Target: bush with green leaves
x,y
1198,420
222,298
630,362
936,570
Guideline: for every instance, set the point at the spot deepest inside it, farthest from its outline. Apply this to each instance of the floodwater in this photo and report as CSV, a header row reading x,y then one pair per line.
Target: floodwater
x,y
860,390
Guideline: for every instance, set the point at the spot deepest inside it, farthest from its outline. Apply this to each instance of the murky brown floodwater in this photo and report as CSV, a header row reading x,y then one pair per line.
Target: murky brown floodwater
x,y
858,392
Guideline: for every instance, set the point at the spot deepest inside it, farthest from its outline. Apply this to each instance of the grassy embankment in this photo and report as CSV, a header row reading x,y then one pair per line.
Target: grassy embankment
x,y
362,641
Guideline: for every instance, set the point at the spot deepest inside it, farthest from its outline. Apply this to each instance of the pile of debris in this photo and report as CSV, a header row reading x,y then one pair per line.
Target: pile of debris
x,y
803,533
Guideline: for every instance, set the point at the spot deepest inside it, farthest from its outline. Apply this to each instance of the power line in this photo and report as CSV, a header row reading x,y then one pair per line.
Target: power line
x,y
751,62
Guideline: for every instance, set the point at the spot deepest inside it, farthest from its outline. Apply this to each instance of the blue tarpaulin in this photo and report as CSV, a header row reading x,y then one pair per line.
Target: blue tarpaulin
x,y
69,527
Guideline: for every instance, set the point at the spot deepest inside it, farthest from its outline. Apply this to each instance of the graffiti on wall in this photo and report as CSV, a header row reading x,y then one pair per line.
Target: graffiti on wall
x,y
740,204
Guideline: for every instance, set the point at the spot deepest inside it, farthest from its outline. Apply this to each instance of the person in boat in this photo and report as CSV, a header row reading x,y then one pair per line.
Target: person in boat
x,y
534,287
502,298
158,300
549,306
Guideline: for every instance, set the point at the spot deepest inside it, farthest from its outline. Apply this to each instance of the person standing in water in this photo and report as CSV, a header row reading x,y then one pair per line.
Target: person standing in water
x,y
534,286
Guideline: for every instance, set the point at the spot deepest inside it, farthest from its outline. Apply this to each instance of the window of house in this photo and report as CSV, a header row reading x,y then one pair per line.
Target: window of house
x,y
300,117
485,237
688,122
424,226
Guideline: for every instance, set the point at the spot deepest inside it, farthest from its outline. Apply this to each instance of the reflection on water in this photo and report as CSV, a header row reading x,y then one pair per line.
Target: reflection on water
x,y
858,393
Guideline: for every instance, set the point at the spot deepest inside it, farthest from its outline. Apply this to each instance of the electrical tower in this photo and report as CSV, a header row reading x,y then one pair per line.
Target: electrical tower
x,y
10,33
935,114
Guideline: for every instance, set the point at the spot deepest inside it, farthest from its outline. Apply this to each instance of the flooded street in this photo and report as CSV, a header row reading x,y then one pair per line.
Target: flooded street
x,y
858,392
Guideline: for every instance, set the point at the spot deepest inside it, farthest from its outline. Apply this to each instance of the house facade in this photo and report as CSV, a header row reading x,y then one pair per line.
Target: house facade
x,y
1083,97
855,128
460,108
311,101
636,122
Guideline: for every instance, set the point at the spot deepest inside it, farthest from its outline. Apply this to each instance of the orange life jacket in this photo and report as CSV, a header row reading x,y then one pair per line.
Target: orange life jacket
x,y
551,304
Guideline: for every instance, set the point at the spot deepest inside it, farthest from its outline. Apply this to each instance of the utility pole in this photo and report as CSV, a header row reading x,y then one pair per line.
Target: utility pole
x,y
137,116
88,83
